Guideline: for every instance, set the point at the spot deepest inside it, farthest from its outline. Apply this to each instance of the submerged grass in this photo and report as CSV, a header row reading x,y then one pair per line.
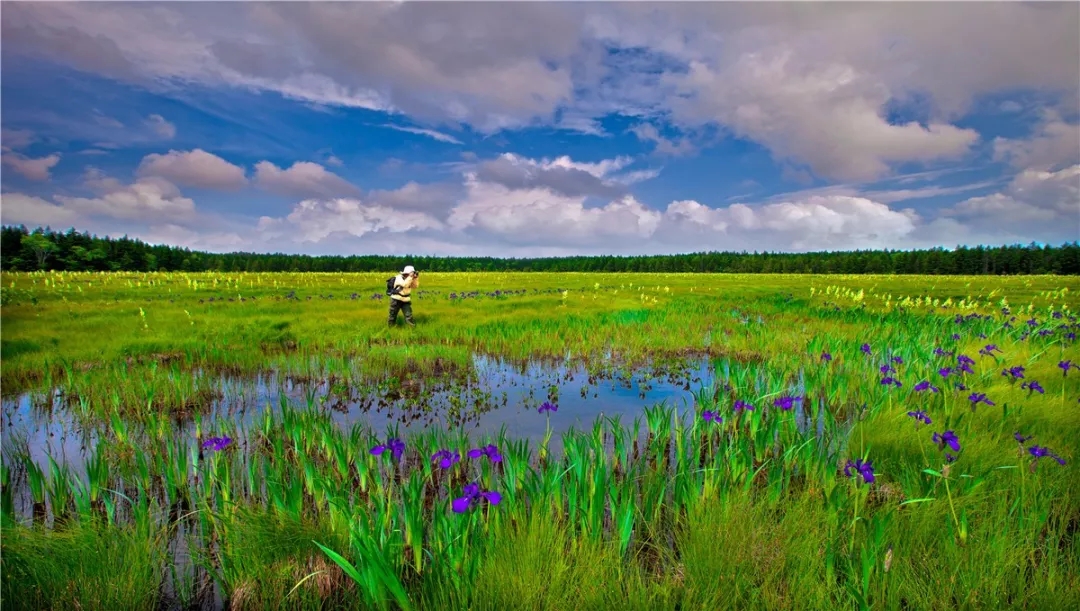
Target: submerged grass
x,y
800,480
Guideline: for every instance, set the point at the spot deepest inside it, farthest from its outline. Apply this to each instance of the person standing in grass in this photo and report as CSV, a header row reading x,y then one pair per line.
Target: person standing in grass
x,y
400,299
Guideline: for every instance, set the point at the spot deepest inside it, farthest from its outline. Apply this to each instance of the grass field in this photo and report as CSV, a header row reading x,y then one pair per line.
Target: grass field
x,y
867,442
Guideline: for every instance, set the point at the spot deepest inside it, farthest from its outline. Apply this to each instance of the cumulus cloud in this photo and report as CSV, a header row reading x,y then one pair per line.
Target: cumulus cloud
x,y
20,209
647,132
13,139
314,220
31,168
302,179
195,168
160,127
561,175
1035,203
149,198
814,86
1055,144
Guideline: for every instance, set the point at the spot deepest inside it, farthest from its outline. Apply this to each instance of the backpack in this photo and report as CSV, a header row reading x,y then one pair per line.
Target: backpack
x,y
390,289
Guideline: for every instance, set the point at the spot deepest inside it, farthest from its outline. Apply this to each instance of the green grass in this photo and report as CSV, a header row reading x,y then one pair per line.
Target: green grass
x,y
665,511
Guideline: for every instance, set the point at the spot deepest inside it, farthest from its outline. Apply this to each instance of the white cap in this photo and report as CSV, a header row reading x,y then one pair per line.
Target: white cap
x,y
408,269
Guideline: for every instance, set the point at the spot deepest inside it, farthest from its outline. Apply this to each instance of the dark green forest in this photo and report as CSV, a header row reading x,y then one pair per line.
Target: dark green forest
x,y
45,249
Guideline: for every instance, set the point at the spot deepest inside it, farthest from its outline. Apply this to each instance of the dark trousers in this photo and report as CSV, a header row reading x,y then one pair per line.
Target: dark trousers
x,y
406,309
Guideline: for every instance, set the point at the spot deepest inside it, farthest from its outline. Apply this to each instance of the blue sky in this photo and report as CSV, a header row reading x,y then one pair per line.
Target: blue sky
x,y
544,129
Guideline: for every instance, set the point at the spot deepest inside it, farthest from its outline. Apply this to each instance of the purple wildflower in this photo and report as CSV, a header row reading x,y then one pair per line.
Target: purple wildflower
x,y
445,458
865,348
395,446
473,495
948,438
925,385
955,337
977,398
964,359
490,450
865,469
966,368
786,402
1056,315
1033,386
711,416
1020,438
1041,451
741,405
945,371
889,380
1065,366
1015,373
898,360
1032,322
886,368
548,407
961,386
216,444
989,349
825,356
920,416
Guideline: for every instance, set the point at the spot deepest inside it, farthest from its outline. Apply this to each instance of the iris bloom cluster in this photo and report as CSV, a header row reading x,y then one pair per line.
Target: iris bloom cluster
x,y
548,407
711,416
1037,451
1066,366
786,402
1033,386
490,450
865,349
920,416
979,397
396,447
989,350
741,405
216,444
948,438
925,385
1015,373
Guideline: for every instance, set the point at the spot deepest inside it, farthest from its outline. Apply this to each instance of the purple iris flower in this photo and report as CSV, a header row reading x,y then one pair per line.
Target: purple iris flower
x,y
865,348
886,368
966,368
925,385
473,496
955,337
490,450
1041,451
920,416
865,469
216,444
395,446
941,352
1065,366
1033,386
945,371
825,356
977,398
989,349
961,386
898,360
1020,438
1056,315
949,458
741,405
711,416
786,402
1005,311
886,381
1032,322
445,458
948,438
964,359
548,407
1015,373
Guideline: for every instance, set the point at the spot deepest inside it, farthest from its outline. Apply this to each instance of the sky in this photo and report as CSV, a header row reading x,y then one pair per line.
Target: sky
x,y
519,129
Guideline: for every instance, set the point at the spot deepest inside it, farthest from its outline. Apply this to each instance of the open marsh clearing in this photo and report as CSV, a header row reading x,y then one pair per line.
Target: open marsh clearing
x,y
252,441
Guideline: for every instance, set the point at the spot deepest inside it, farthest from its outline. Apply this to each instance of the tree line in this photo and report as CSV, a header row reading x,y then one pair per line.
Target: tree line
x,y
45,249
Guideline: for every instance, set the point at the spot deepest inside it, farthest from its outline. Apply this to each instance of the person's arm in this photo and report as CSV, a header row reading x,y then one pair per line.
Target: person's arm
x,y
416,282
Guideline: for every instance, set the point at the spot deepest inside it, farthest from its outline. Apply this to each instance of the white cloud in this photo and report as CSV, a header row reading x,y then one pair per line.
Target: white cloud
x,y
147,199
1035,204
20,209
1055,144
647,132
302,179
160,127
195,168
430,133
314,220
31,168
813,85
334,161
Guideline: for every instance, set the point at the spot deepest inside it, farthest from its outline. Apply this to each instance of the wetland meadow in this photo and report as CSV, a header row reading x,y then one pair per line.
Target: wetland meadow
x,y
539,441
